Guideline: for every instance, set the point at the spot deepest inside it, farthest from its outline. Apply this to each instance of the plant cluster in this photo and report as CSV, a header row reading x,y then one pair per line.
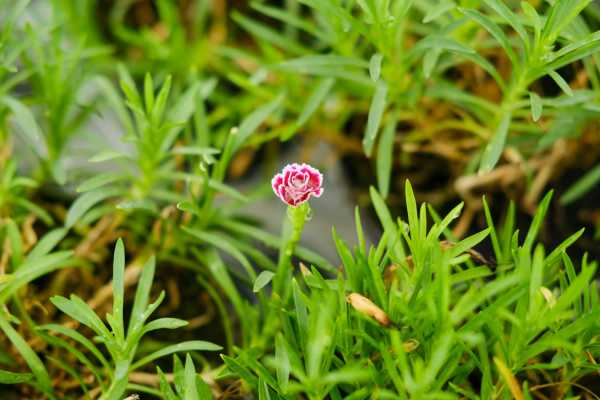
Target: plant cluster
x,y
124,126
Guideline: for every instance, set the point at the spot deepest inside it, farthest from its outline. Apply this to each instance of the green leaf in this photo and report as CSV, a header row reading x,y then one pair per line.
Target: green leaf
x,y
251,123
263,390
315,99
190,389
262,280
438,10
391,229
26,122
584,184
309,63
495,30
234,366
107,155
468,242
267,34
142,294
486,66
142,204
192,345
385,152
556,254
493,233
32,269
493,150
119,288
180,114
564,86
165,388
31,358
115,101
164,323
82,312
568,297
148,92
79,338
574,51
351,374
429,61
509,17
561,14
282,362
375,66
34,208
220,241
437,41
58,172
374,119
13,378
536,106
99,181
538,219
275,242
291,19
16,244
47,243
532,15
195,150
87,201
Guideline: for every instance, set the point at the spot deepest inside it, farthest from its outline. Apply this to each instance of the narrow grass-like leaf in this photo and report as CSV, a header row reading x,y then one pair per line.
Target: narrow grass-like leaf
x,y
315,99
192,345
99,181
26,122
32,269
564,86
79,338
254,120
191,391
493,150
87,201
438,10
509,17
495,30
180,114
376,110
468,242
13,378
47,243
119,288
375,66
142,293
262,280
538,219
581,186
31,358
536,106
385,152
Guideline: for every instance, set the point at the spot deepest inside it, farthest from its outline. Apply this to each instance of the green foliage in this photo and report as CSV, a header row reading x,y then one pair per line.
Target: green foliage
x,y
121,340
450,316
40,261
396,56
13,200
194,90
187,384
57,72
145,178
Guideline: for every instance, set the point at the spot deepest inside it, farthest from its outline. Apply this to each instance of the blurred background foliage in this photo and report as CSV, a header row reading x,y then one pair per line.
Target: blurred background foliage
x,y
438,91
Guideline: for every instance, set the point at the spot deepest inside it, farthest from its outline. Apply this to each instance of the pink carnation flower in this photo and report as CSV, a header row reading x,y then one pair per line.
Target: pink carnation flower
x,y
296,183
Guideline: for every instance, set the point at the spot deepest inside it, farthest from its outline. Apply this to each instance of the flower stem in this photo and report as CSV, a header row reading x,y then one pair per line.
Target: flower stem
x,y
297,217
